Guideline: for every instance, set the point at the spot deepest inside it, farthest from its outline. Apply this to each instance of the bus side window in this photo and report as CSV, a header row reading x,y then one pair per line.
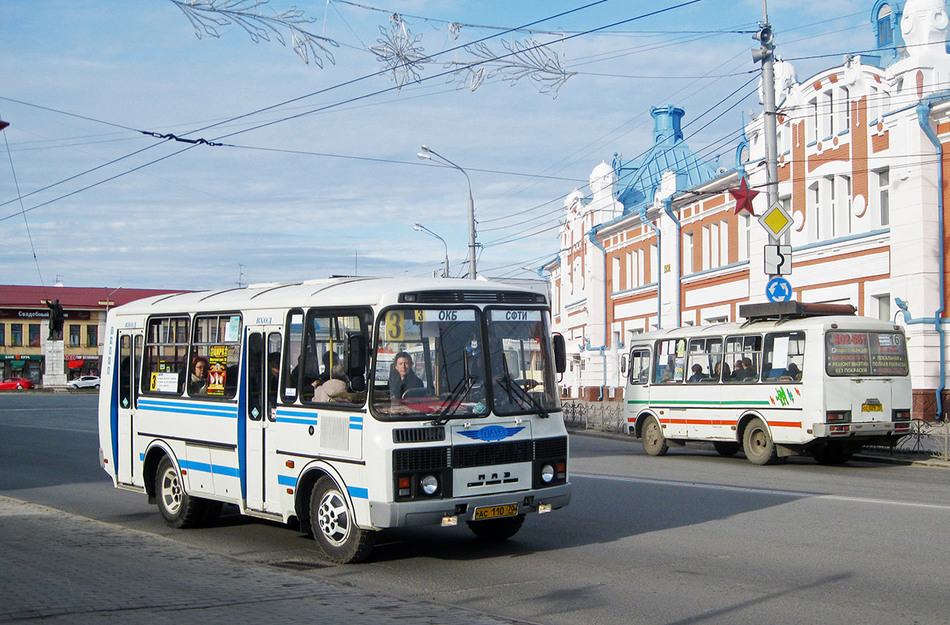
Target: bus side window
x,y
639,366
705,355
744,352
784,357
292,359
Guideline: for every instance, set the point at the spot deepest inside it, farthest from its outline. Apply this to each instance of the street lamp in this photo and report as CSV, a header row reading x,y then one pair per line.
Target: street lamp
x,y
425,155
421,228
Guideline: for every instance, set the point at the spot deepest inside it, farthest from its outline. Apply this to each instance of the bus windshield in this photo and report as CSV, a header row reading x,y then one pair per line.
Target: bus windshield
x,y
431,363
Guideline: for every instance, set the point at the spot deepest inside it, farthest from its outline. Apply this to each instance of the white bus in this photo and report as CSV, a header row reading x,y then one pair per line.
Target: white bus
x,y
286,401
794,378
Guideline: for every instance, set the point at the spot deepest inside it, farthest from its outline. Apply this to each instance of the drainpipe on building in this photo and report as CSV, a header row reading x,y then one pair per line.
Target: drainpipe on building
x,y
591,234
668,207
923,118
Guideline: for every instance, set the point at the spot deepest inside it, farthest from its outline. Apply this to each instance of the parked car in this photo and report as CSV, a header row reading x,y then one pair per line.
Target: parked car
x,y
15,383
86,381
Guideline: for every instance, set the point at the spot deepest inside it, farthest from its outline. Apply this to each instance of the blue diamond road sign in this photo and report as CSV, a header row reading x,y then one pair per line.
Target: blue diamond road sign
x,y
778,290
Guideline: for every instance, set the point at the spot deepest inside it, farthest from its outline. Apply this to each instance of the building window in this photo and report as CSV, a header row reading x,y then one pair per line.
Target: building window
x,y
813,119
832,215
615,284
16,334
723,243
883,305
3,336
654,264
827,115
884,35
92,335
34,334
844,109
814,216
687,253
745,237
884,199
74,335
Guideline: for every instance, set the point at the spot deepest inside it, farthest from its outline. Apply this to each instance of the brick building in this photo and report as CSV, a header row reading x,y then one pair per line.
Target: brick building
x,y
863,171
24,327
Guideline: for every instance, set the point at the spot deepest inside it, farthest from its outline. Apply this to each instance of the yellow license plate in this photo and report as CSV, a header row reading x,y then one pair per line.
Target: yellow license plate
x,y
872,408
496,512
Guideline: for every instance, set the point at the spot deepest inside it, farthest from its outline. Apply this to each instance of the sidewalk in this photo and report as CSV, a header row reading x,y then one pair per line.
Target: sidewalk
x,y
61,568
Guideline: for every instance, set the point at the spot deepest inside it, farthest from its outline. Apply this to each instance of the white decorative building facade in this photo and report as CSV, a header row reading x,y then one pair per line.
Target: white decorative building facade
x,y
862,169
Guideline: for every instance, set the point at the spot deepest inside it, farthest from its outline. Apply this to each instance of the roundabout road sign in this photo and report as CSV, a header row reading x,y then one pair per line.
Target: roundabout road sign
x,y
778,290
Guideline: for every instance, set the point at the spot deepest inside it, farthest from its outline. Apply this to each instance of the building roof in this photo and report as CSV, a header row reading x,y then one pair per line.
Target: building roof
x,y
668,153
76,298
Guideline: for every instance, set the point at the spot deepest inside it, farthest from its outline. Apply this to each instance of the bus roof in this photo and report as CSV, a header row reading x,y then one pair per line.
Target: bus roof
x,y
819,322
341,291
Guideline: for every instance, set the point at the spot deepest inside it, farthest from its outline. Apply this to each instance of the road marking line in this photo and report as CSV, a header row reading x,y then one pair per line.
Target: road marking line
x,y
760,491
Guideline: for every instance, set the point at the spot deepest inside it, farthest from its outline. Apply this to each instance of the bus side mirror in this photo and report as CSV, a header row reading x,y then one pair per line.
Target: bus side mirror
x,y
560,353
623,364
356,355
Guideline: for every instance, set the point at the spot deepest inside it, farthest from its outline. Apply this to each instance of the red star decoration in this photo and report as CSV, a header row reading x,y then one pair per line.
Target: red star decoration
x,y
743,198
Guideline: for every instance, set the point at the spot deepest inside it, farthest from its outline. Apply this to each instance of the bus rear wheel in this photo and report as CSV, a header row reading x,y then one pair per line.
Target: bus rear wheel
x,y
654,443
726,448
179,509
758,445
334,525
497,529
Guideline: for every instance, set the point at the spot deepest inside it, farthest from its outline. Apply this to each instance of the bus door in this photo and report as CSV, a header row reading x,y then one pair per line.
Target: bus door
x,y
127,368
263,364
638,383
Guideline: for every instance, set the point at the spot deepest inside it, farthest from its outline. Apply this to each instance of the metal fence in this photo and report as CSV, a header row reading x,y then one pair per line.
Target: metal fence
x,y
925,438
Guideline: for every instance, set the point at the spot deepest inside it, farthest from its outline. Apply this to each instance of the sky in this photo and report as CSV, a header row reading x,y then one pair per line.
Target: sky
x,y
301,170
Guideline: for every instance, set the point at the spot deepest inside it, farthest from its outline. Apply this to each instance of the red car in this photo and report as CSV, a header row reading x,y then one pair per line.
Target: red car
x,y
15,384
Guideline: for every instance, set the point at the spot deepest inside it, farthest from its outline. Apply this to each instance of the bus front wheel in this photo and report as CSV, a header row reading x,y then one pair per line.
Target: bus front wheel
x,y
179,509
654,443
758,445
334,525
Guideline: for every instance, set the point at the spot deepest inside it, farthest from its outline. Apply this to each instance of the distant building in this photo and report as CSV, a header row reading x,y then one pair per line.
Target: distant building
x,y
863,171
24,327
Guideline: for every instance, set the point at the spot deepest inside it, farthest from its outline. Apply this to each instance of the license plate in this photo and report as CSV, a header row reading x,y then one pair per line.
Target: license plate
x,y
496,512
872,408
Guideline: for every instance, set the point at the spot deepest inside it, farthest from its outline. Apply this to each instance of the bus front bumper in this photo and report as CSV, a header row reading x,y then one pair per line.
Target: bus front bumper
x,y
432,512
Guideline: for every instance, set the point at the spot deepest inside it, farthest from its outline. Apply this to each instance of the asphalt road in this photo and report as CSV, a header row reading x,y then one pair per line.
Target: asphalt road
x,y
686,538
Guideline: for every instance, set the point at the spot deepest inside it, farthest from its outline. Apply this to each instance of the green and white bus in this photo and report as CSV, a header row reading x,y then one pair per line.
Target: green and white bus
x,y
794,378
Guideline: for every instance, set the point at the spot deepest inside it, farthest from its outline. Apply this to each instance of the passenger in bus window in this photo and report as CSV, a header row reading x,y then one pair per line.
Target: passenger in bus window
x,y
723,369
747,372
334,385
698,375
401,377
198,381
793,372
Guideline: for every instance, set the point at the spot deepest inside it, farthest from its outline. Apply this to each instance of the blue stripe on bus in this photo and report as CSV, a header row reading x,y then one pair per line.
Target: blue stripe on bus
x,y
358,493
204,467
301,417
230,412
287,480
356,423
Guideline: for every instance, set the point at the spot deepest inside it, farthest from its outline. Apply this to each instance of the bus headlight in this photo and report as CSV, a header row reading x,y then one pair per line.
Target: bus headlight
x,y
547,473
429,484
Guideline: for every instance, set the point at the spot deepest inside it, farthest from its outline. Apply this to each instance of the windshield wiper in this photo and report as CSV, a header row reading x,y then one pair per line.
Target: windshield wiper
x,y
454,400
510,384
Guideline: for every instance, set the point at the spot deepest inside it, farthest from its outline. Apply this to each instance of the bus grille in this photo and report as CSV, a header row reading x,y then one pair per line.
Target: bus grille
x,y
418,435
550,448
491,453
421,459
481,455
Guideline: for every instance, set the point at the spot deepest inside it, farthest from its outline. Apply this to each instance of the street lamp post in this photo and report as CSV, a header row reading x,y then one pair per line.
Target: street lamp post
x,y
421,228
425,155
